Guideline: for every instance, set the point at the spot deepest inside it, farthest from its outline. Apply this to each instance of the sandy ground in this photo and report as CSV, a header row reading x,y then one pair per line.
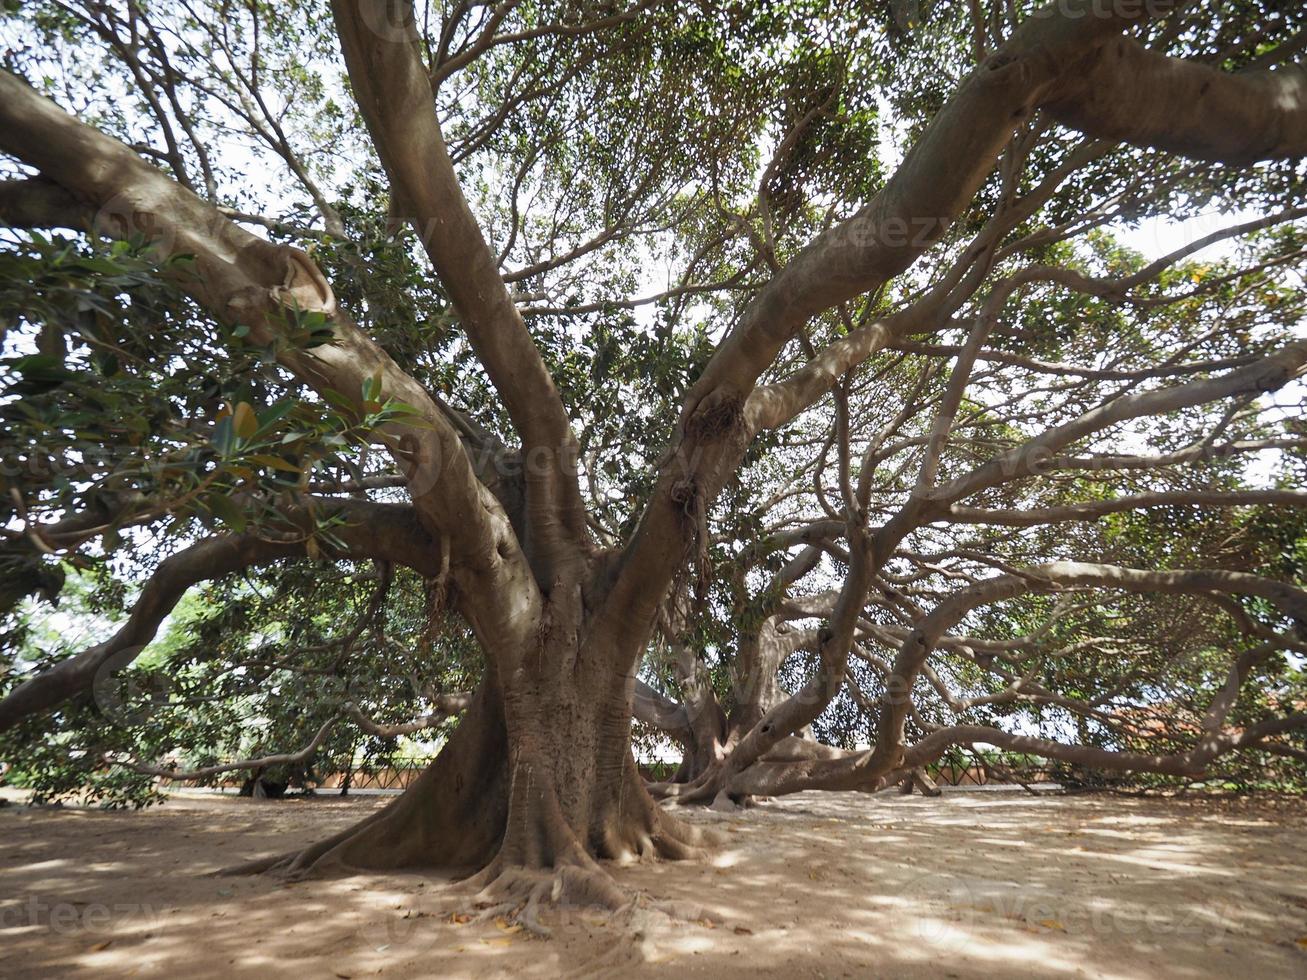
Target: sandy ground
x,y
969,885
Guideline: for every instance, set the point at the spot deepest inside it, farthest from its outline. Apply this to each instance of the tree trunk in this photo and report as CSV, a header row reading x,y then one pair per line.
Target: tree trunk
x,y
535,786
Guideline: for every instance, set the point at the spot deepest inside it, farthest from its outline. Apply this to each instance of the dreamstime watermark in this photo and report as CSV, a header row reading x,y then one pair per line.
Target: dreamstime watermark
x,y
75,918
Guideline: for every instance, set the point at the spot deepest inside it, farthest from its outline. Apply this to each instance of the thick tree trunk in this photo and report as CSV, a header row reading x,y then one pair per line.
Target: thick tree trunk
x,y
452,817
535,786
713,733
574,787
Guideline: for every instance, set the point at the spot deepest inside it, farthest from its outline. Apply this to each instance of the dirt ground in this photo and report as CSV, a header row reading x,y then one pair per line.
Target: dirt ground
x,y
969,885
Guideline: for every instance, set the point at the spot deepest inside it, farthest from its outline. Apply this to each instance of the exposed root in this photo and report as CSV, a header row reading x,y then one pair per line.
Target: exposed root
x,y
452,817
320,858
703,789
543,861
517,894
723,803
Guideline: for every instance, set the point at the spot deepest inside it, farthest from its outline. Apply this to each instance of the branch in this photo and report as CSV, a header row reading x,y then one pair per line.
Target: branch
x,y
372,531
284,759
447,705
1056,576
652,708
1267,374
39,203
1191,763
395,97
1092,510
1134,95
1042,63
243,279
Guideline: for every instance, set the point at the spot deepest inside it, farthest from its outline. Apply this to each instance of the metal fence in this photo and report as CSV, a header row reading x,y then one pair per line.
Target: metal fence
x,y
400,774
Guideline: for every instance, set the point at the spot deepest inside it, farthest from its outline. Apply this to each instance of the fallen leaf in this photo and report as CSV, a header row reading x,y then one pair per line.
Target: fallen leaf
x,y
1052,924
99,946
459,918
743,931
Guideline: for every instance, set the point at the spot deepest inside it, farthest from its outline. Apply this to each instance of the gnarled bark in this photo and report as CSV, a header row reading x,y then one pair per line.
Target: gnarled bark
x,y
534,788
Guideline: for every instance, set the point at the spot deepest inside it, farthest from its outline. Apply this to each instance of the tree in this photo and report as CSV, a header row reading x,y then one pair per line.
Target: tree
x,y
554,465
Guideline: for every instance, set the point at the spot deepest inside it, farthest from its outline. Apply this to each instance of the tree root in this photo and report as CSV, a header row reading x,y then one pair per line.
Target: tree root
x,y
542,862
707,788
305,862
518,894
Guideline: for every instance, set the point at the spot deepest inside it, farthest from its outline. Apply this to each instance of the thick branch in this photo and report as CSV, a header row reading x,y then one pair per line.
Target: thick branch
x,y
1094,509
371,531
39,204
244,279
1042,63
446,706
395,96
1134,95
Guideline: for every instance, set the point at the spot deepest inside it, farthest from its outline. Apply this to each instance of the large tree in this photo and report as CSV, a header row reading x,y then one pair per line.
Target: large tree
x,y
873,356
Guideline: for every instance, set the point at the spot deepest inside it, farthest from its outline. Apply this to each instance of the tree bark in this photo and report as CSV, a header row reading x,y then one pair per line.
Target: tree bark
x,y
538,777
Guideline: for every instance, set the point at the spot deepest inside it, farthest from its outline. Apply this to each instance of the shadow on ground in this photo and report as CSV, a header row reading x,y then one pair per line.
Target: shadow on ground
x,y
967,885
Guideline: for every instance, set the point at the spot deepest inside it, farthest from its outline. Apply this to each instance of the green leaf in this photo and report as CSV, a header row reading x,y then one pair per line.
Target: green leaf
x,y
224,438
227,510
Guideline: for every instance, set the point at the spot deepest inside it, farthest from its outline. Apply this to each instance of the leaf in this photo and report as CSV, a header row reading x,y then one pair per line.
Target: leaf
x,y
338,401
246,422
223,436
226,510
372,387
273,414
275,462
1052,924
